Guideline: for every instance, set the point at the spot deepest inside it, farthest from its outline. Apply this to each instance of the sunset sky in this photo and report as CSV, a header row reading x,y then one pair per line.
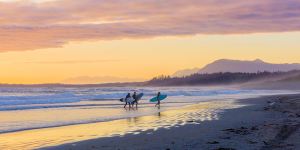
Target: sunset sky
x,y
51,41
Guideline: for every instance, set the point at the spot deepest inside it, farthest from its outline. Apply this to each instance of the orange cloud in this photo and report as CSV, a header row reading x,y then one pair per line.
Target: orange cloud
x,y
26,25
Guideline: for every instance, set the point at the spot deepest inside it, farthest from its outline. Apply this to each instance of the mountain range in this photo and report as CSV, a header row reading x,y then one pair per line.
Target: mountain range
x,y
227,65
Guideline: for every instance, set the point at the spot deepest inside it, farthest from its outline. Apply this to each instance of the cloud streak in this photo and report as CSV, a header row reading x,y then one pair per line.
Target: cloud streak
x,y
99,79
26,25
71,61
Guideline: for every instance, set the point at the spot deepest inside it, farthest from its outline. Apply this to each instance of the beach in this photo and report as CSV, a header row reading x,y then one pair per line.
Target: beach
x,y
270,122
257,122
149,75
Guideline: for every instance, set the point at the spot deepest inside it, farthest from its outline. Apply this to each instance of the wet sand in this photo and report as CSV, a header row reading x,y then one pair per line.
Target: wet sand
x,y
270,122
161,118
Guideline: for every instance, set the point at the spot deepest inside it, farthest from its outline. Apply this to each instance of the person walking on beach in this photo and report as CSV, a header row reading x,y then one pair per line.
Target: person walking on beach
x,y
158,100
126,98
135,100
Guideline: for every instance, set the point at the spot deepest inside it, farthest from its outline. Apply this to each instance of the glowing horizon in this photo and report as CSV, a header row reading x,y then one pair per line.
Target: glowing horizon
x,y
49,42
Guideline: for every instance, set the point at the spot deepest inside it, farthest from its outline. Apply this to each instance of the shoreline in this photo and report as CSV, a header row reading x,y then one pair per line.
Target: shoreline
x,y
96,121
259,125
217,128
134,125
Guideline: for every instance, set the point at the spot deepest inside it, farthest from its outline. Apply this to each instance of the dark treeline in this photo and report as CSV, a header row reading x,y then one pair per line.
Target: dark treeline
x,y
195,79
218,78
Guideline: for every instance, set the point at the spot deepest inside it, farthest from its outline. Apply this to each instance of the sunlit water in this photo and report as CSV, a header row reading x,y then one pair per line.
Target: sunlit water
x,y
193,114
38,117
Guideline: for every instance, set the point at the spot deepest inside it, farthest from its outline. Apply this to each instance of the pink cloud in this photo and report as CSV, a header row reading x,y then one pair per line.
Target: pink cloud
x,y
29,26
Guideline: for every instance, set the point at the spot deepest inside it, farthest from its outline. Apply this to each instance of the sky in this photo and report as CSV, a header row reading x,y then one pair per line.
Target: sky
x,y
91,41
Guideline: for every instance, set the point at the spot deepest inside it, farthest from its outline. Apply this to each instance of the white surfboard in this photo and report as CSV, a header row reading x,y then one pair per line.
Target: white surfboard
x,y
129,100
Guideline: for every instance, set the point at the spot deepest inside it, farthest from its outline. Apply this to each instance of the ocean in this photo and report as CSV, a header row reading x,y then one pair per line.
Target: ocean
x,y
27,108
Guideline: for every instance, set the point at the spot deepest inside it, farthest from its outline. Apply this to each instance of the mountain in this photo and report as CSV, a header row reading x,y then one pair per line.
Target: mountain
x,y
185,72
227,65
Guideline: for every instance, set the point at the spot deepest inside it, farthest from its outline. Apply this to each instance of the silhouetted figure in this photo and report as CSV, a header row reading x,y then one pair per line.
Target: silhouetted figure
x,y
158,100
135,100
126,98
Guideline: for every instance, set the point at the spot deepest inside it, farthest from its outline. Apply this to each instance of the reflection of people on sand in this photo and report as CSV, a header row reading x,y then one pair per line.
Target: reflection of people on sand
x,y
159,115
133,120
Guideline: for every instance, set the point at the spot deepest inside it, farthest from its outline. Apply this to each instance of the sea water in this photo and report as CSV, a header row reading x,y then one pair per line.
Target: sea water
x,y
24,108
37,117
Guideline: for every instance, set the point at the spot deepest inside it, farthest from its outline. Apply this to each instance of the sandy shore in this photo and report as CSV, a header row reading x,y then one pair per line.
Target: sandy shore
x,y
270,122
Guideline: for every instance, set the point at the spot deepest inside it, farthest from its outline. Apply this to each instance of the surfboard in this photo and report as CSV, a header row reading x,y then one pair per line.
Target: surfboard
x,y
139,96
161,97
129,100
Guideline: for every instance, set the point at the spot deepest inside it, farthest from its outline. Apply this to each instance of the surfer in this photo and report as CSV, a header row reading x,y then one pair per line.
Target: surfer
x,y
158,100
135,99
126,98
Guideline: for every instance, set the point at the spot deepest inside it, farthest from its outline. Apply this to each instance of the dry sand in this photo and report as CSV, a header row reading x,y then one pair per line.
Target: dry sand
x,y
270,122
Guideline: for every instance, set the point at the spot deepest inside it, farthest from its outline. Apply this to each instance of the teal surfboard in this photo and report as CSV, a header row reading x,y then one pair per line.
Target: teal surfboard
x,y
161,97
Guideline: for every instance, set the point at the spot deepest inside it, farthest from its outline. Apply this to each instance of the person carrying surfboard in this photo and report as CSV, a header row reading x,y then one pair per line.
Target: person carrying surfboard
x,y
126,98
135,99
159,97
158,100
